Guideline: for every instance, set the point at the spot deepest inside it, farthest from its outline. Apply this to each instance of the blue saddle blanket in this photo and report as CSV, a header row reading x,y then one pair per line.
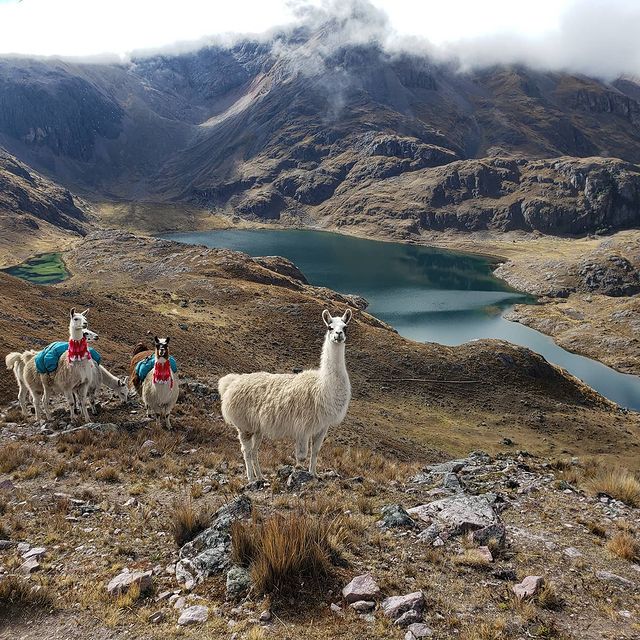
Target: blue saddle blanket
x,y
144,366
47,359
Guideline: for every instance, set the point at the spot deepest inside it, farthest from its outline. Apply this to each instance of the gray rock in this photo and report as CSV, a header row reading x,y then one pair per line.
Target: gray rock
x,y
395,606
34,552
496,532
430,534
208,553
395,515
238,581
265,616
197,614
615,578
362,587
6,544
7,485
122,582
451,482
157,617
363,606
528,587
29,566
572,552
408,617
418,630
299,478
459,513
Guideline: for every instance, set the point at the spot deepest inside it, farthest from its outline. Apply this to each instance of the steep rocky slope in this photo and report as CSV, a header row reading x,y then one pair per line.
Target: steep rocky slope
x,y
34,211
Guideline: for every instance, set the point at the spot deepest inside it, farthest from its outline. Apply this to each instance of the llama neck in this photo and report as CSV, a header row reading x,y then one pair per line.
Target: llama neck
x,y
108,379
75,333
332,362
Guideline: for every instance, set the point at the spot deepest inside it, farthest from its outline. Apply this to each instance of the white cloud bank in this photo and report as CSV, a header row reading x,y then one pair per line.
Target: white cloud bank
x,y
596,37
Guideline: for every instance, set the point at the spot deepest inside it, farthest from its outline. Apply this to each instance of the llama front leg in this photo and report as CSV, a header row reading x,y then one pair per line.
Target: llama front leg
x,y
301,451
82,398
44,398
167,421
71,403
255,445
246,445
316,443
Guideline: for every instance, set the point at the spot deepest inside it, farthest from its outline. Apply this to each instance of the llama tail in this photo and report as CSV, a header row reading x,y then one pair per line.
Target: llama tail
x,y
224,382
139,348
12,359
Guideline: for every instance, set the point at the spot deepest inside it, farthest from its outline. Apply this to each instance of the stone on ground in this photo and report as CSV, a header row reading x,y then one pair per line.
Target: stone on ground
x,y
124,581
528,587
362,587
395,606
395,515
197,614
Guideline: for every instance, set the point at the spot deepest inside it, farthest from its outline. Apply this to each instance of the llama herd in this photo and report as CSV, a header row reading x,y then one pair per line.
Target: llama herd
x,y
296,407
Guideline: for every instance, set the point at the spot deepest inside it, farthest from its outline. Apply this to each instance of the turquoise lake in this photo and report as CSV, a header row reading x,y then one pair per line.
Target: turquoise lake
x,y
427,294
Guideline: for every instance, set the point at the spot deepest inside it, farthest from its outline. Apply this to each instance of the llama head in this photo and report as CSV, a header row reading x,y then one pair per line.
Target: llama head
x,y
77,322
91,336
337,325
162,348
123,389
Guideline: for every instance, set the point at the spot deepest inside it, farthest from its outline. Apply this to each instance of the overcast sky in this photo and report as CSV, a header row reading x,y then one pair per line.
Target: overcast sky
x,y
592,36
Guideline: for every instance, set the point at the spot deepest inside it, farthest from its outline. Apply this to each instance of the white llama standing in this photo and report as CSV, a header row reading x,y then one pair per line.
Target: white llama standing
x,y
299,407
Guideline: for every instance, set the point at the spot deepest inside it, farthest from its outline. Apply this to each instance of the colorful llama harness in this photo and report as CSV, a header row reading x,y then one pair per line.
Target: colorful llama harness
x,y
161,370
47,360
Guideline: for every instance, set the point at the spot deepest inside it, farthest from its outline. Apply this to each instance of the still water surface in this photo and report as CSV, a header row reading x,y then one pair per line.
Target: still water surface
x,y
427,294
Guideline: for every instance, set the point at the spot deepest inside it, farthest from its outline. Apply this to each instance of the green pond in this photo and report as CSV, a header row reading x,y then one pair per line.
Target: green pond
x,y
427,294
46,268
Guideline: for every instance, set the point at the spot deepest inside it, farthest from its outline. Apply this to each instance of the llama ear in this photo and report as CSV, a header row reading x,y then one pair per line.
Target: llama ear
x,y
326,317
84,313
156,339
346,317
72,312
167,339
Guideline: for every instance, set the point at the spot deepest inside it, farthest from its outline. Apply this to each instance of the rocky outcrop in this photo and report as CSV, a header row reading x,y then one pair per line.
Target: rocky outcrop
x,y
28,199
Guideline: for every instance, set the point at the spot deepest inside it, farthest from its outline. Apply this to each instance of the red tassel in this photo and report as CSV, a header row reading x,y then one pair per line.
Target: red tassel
x,y
162,373
78,350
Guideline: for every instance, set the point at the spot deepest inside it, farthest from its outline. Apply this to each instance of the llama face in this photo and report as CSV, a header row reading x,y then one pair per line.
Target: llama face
x,y
78,320
162,349
91,336
337,325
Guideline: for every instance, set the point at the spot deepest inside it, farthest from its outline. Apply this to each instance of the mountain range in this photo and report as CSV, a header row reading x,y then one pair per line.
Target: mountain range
x,y
309,128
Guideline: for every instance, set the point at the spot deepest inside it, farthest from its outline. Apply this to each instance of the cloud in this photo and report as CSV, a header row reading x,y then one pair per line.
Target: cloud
x,y
594,37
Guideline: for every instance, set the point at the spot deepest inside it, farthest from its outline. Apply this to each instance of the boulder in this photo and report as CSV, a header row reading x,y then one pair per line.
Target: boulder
x,y
208,553
362,587
395,515
29,566
34,552
197,614
238,581
395,606
407,618
124,581
459,513
528,587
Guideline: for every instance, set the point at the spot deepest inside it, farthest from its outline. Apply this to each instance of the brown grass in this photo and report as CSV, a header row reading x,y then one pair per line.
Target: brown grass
x,y
287,553
625,546
471,558
108,474
13,456
17,594
619,483
549,598
186,521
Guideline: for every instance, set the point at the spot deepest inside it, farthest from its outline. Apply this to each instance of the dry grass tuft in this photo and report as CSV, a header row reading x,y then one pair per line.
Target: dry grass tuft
x,y
619,483
495,630
625,546
549,598
287,553
596,528
186,522
471,558
13,456
108,474
17,594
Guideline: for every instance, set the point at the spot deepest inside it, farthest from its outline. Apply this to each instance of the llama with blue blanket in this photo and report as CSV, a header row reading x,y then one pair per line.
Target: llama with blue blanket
x,y
72,376
154,375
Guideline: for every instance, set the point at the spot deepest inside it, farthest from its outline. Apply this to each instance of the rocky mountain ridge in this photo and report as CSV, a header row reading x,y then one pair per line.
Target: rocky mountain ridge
x,y
305,126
